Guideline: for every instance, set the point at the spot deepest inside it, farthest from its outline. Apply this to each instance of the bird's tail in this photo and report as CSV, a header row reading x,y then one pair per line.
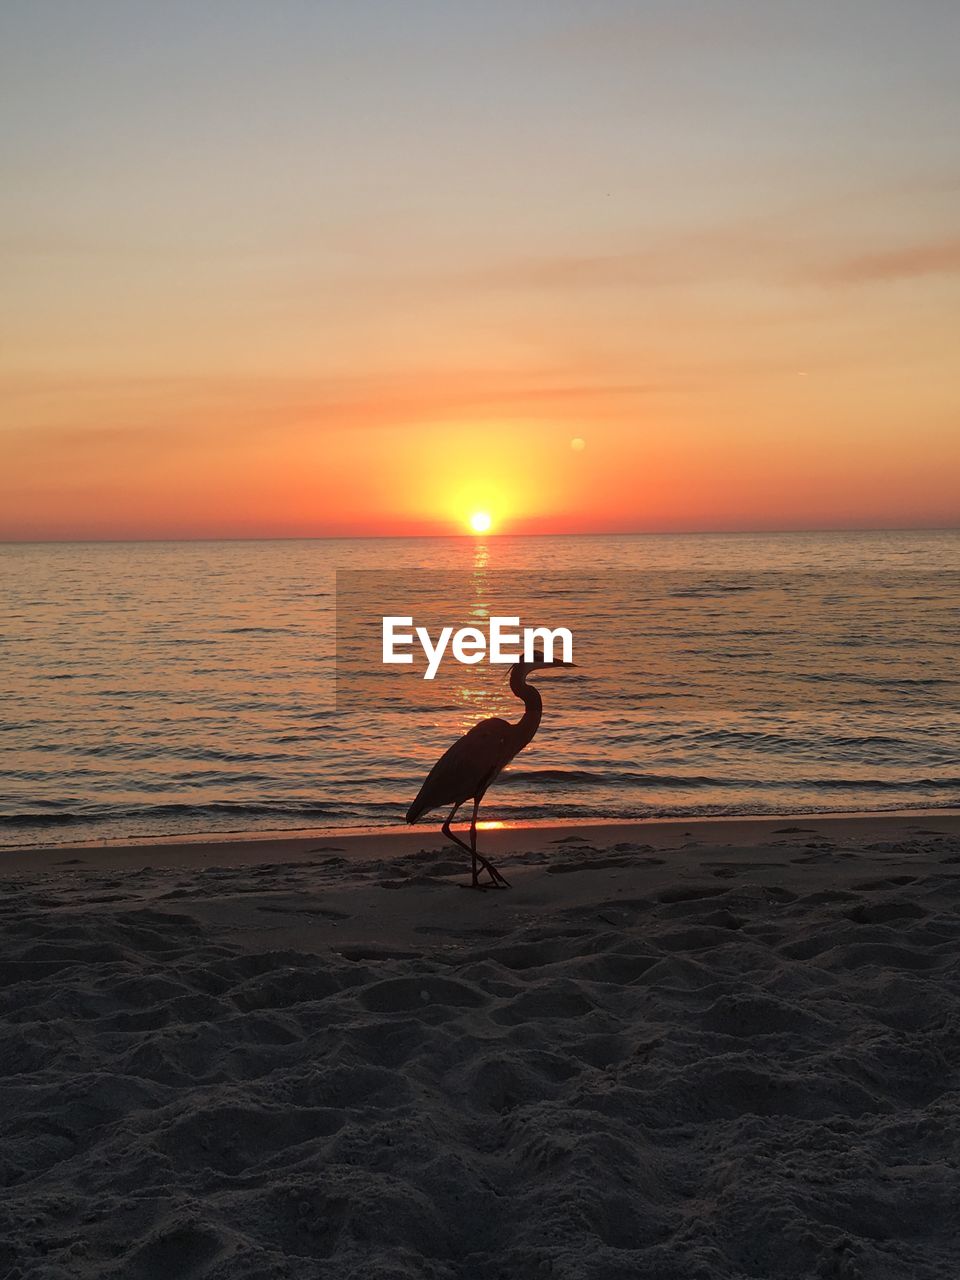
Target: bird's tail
x,y
416,811
419,806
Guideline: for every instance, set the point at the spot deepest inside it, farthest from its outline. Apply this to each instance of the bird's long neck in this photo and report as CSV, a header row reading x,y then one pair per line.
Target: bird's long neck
x,y
529,722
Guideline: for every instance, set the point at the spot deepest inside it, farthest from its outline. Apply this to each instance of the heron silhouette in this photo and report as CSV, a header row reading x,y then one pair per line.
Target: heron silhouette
x,y
467,768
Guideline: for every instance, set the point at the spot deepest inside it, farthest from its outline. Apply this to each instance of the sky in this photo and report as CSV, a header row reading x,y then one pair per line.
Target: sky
x,y
315,268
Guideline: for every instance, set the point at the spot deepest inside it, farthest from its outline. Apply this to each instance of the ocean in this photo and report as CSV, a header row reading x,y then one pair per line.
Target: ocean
x,y
191,688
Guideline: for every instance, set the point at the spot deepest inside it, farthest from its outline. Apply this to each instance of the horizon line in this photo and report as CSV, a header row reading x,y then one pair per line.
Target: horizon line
x,y
479,538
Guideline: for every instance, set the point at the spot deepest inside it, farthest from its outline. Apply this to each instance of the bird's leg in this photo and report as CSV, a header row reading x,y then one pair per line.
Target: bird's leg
x,y
499,881
463,845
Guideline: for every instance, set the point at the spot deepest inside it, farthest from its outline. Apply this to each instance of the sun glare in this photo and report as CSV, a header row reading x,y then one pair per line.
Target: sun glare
x,y
480,522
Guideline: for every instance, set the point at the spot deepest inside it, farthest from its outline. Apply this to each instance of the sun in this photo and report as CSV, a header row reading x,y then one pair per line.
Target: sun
x,y
480,522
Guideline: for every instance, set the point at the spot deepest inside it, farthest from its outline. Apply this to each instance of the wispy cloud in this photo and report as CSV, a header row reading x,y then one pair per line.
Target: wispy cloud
x,y
759,252
64,411
659,260
935,257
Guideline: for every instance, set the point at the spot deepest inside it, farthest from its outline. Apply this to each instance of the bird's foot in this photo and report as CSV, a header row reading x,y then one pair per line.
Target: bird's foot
x,y
498,881
492,883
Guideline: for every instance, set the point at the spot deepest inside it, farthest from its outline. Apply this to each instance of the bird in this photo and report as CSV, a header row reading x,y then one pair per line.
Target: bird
x,y
468,767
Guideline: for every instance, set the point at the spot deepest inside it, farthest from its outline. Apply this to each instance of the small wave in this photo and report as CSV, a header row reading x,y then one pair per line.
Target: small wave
x,y
877,682
46,819
613,778
878,784
258,631
709,590
111,813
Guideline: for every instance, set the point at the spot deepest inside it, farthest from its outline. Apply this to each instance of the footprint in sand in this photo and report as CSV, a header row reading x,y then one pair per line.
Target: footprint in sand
x,y
325,913
881,912
889,882
689,893
396,995
595,864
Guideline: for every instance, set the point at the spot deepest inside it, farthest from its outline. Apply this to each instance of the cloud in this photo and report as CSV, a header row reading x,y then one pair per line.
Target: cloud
x,y
219,409
576,271
755,252
936,257
740,250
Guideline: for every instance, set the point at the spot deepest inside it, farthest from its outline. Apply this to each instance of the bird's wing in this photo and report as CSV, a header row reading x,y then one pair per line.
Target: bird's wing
x,y
466,767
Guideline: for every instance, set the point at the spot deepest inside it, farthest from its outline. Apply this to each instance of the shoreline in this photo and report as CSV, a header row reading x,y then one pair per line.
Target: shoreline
x,y
363,844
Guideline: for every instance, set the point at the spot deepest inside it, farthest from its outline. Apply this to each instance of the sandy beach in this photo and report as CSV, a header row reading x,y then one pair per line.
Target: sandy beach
x,y
675,1050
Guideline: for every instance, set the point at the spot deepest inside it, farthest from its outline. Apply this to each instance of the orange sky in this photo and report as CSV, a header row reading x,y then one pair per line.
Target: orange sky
x,y
366,281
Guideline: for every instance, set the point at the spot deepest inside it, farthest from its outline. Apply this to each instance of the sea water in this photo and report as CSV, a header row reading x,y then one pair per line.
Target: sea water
x,y
188,688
